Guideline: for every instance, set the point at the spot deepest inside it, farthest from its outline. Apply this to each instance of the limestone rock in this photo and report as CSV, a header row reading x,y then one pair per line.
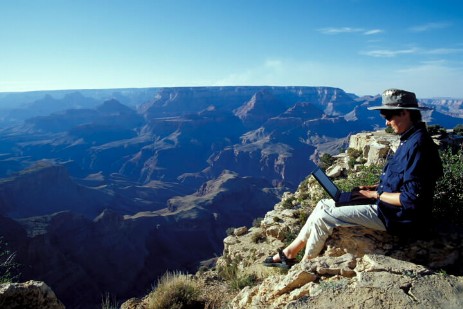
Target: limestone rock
x,y
240,231
357,266
374,145
295,279
30,294
334,171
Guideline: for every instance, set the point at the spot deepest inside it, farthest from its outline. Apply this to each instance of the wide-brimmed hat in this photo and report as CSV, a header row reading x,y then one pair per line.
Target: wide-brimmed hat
x,y
399,99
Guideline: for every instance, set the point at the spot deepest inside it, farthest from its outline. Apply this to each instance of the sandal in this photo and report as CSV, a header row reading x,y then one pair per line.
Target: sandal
x,y
284,261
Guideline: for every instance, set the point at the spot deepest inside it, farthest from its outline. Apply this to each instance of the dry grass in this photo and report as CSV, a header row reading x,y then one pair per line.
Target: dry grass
x,y
176,290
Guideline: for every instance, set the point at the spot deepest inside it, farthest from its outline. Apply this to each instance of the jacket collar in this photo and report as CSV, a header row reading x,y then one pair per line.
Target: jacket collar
x,y
419,126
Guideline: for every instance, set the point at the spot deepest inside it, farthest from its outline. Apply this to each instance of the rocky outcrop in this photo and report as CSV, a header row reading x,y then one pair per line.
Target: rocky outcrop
x,y
375,146
30,294
358,267
377,281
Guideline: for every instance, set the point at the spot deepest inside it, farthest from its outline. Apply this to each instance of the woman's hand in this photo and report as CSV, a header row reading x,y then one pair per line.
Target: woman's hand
x,y
371,194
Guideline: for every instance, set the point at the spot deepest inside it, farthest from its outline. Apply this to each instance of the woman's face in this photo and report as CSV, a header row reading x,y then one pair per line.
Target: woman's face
x,y
398,122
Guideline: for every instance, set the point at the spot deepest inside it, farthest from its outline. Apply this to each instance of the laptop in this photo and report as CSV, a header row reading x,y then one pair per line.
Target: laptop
x,y
340,198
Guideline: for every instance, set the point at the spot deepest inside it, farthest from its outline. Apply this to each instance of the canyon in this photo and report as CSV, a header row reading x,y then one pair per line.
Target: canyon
x,y
103,191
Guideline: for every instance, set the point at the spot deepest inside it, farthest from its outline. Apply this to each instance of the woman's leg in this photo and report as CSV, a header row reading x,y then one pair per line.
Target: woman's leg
x,y
321,222
331,216
299,242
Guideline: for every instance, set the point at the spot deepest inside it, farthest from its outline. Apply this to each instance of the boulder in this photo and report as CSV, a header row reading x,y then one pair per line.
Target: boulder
x,y
30,294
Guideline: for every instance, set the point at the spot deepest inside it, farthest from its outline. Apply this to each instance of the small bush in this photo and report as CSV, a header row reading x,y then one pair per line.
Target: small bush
x,y
175,290
354,153
326,160
288,203
448,196
352,162
367,175
302,215
235,278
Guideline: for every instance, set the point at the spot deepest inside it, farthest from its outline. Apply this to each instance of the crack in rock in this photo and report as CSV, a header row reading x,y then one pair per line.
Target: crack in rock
x,y
406,289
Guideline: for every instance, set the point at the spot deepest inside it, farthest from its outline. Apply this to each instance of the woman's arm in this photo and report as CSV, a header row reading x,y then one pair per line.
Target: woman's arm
x,y
388,197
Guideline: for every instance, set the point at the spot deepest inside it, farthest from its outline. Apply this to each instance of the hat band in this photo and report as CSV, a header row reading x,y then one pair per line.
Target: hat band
x,y
401,105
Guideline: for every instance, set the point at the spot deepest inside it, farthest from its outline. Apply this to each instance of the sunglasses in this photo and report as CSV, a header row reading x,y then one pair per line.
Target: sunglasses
x,y
388,115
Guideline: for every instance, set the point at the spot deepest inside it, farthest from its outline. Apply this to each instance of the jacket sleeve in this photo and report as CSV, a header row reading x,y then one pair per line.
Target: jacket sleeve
x,y
418,177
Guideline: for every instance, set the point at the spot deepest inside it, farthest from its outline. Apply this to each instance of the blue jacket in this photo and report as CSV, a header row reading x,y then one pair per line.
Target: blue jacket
x,y
412,171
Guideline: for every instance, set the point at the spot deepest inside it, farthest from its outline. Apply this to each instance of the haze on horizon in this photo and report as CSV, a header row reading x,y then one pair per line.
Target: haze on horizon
x,y
360,46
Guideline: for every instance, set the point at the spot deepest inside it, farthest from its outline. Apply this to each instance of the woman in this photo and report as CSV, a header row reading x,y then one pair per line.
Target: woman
x,y
403,196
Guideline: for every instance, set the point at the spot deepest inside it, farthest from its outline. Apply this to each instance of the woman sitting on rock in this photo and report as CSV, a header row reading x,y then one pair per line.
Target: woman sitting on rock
x,y
403,196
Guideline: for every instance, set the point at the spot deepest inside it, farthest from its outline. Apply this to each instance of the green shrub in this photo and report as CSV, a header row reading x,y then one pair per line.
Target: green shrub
x,y
367,175
302,215
354,153
448,197
326,160
235,278
175,290
287,203
389,130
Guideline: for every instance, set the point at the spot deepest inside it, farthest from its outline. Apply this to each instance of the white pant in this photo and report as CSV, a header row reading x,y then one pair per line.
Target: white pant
x,y
326,216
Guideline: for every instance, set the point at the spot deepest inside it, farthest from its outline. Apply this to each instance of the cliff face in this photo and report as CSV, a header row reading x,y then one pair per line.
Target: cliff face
x,y
46,188
82,257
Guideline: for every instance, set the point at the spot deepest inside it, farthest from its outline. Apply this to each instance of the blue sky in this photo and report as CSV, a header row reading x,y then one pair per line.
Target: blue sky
x,y
360,46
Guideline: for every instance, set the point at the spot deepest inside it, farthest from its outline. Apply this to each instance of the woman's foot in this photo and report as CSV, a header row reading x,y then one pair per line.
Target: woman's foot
x,y
280,260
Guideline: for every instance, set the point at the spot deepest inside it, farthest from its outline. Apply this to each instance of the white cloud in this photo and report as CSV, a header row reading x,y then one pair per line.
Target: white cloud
x,y
444,51
332,30
387,53
339,30
430,26
373,31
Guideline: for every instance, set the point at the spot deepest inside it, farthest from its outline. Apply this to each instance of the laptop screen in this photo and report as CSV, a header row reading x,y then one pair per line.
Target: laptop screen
x,y
326,183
